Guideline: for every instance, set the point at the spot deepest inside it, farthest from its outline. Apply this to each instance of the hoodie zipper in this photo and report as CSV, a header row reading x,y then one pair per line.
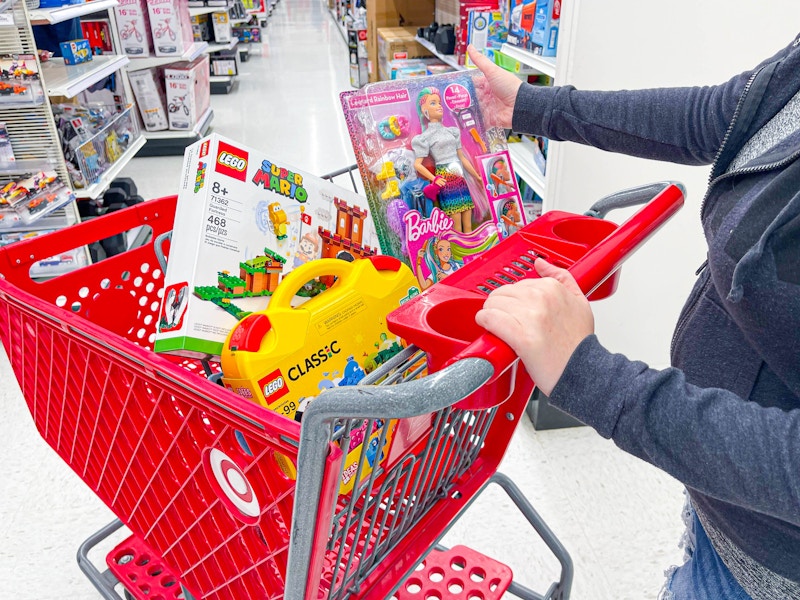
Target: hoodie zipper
x,y
711,179
690,309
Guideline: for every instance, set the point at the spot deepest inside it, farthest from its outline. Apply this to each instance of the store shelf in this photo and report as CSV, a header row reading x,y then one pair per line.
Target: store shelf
x,y
195,50
339,25
199,130
449,59
96,189
204,10
545,65
69,80
221,84
49,16
220,47
173,143
24,166
522,161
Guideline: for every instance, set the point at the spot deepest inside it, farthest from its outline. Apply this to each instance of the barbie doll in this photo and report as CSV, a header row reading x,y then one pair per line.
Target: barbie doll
x,y
443,145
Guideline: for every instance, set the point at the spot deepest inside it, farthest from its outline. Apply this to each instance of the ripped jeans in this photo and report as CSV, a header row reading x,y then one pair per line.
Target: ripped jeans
x,y
703,576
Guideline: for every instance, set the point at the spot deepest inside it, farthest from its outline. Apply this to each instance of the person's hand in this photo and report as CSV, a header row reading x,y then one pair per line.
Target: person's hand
x,y
504,85
543,320
440,181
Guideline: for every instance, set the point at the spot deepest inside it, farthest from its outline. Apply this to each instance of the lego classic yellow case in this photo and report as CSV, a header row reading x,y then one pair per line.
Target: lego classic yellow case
x,y
284,356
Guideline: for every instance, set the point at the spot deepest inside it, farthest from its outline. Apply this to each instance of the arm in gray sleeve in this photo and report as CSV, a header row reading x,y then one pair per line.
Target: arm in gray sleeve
x,y
709,439
681,125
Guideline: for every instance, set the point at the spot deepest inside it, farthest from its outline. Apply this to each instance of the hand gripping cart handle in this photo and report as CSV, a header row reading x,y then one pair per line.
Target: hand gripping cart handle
x,y
225,499
442,323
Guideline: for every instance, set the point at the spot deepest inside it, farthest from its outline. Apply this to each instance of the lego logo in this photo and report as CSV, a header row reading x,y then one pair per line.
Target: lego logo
x,y
274,386
232,486
234,162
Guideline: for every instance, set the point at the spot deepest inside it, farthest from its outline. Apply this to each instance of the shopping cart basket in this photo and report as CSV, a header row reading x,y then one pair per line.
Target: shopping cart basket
x,y
228,500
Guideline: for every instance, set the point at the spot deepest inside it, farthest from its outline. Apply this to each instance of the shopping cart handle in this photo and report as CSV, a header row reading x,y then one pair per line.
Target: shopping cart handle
x,y
590,271
634,196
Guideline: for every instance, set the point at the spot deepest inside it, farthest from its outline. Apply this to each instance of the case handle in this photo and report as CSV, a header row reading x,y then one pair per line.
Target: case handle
x,y
282,297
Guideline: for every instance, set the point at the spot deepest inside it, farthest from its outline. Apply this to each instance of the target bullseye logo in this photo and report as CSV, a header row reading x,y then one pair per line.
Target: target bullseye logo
x,y
232,486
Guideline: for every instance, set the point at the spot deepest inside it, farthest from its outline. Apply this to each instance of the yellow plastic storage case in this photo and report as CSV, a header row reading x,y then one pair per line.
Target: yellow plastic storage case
x,y
284,356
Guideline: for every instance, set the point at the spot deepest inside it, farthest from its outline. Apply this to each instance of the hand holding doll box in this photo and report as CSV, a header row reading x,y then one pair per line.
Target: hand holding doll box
x,y
435,168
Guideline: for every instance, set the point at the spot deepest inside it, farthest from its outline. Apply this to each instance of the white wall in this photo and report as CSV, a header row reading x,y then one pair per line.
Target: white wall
x,y
616,44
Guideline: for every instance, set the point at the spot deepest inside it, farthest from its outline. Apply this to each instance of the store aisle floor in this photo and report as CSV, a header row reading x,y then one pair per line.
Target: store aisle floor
x,y
618,517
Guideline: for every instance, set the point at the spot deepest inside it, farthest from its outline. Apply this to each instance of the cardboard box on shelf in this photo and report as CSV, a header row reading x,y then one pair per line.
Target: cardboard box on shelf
x,y
222,27
148,89
398,43
188,92
171,26
244,220
393,13
534,25
76,52
201,31
225,62
133,25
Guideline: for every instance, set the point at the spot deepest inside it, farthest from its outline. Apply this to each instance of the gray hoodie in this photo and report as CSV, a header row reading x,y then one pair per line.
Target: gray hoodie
x,y
725,418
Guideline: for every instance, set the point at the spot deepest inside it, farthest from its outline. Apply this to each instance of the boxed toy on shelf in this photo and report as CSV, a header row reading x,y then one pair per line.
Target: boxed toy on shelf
x,y
244,220
171,26
98,33
397,43
33,197
19,80
93,138
188,92
133,25
222,27
7,157
436,169
487,32
533,25
151,98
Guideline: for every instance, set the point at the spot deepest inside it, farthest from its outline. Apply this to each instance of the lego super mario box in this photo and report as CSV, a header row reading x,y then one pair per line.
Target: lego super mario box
x,y
244,220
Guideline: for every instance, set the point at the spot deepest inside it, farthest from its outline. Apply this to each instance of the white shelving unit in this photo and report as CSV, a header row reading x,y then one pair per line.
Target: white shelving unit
x,y
195,50
449,59
49,16
220,47
543,64
204,10
70,80
95,190
522,160
198,131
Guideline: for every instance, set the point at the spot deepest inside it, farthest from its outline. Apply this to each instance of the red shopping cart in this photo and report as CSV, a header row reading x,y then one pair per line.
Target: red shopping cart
x,y
227,500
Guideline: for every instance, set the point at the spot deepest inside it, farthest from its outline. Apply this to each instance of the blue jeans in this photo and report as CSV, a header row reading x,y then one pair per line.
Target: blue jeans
x,y
703,576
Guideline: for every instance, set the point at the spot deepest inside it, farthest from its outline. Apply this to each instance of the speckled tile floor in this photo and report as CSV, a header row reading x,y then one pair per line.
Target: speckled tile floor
x,y
618,517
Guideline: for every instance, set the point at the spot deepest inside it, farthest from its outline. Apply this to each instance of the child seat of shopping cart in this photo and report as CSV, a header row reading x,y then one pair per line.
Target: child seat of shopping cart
x,y
226,499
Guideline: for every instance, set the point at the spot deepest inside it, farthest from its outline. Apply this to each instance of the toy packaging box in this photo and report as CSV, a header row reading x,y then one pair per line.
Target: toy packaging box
x,y
285,356
33,197
76,52
171,26
243,221
222,27
534,24
133,24
150,97
188,92
436,169
19,80
487,31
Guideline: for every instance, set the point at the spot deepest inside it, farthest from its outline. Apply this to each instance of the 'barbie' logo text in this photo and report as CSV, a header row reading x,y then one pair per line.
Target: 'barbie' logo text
x,y
417,227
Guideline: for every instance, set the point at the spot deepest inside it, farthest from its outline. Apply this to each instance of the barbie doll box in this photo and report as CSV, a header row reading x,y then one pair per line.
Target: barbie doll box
x,y
244,220
436,169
